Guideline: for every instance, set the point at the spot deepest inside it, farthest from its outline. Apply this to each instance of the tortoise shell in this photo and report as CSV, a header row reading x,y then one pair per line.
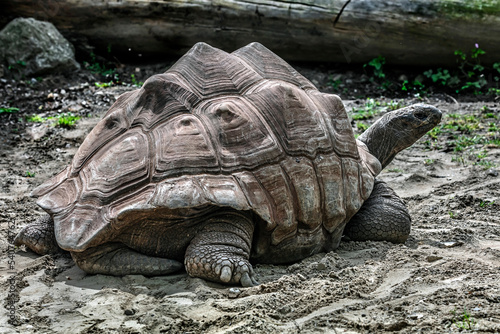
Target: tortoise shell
x,y
241,130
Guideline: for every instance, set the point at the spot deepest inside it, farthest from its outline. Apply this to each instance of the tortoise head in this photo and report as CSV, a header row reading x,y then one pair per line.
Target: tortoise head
x,y
398,130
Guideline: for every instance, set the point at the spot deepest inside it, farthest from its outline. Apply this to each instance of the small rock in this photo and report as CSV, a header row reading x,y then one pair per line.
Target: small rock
x,y
433,258
415,316
321,266
38,46
129,312
233,293
301,277
492,172
396,326
449,244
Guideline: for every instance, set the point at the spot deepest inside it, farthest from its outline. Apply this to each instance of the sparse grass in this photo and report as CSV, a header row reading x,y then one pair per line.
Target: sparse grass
x,y
8,110
98,68
361,126
103,84
435,132
462,142
463,123
36,119
29,174
135,82
373,107
65,120
463,321
484,204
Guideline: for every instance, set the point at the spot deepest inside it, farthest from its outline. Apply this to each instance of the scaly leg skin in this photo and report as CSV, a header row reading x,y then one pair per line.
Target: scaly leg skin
x,y
383,217
220,251
39,236
118,260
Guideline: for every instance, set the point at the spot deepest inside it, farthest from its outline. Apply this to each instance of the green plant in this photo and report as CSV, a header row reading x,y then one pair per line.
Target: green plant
x,y
493,91
492,127
435,132
29,174
8,110
17,66
463,142
464,320
370,109
335,84
429,161
459,159
483,204
97,68
103,84
377,64
135,82
442,76
36,119
472,70
414,86
66,120
361,126
393,105
462,123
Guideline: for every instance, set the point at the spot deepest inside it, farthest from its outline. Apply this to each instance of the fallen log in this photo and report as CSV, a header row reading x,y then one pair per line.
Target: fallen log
x,y
416,32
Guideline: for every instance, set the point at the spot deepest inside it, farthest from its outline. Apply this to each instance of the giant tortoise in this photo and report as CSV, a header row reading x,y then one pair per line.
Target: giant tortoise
x,y
223,160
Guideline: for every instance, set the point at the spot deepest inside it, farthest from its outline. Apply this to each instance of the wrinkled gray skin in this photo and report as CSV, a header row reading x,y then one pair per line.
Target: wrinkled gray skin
x,y
221,247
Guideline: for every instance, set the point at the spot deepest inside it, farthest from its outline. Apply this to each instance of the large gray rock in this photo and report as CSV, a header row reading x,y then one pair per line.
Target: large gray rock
x,y
31,47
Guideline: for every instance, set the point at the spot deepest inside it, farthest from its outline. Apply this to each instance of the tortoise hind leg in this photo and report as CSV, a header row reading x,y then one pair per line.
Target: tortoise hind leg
x,y
383,217
39,236
118,260
221,250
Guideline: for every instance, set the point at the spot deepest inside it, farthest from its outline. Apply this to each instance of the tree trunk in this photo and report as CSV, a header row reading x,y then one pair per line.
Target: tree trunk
x,y
416,32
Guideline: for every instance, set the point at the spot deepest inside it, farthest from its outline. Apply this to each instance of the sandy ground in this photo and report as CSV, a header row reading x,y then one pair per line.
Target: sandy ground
x,y
444,279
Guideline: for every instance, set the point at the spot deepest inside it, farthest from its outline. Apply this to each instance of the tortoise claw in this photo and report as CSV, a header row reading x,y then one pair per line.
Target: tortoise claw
x,y
226,274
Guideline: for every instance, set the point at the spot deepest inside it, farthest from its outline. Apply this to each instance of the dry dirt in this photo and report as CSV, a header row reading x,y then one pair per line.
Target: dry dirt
x,y
444,279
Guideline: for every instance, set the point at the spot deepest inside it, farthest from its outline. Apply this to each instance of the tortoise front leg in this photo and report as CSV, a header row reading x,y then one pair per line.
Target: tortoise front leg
x,y
39,236
383,217
118,260
221,250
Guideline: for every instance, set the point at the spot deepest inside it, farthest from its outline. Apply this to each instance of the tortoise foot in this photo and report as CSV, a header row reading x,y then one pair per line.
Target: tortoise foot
x,y
118,260
39,236
221,250
383,217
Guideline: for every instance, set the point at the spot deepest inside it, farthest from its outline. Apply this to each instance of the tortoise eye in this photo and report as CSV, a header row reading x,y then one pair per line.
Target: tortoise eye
x,y
186,122
111,123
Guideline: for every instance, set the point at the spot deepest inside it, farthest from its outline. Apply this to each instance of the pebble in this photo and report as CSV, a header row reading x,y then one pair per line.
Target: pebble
x,y
321,266
129,312
433,258
492,172
415,316
301,277
449,244
233,292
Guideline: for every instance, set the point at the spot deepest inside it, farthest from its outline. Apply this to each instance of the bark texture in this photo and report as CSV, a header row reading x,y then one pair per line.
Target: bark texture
x,y
418,32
